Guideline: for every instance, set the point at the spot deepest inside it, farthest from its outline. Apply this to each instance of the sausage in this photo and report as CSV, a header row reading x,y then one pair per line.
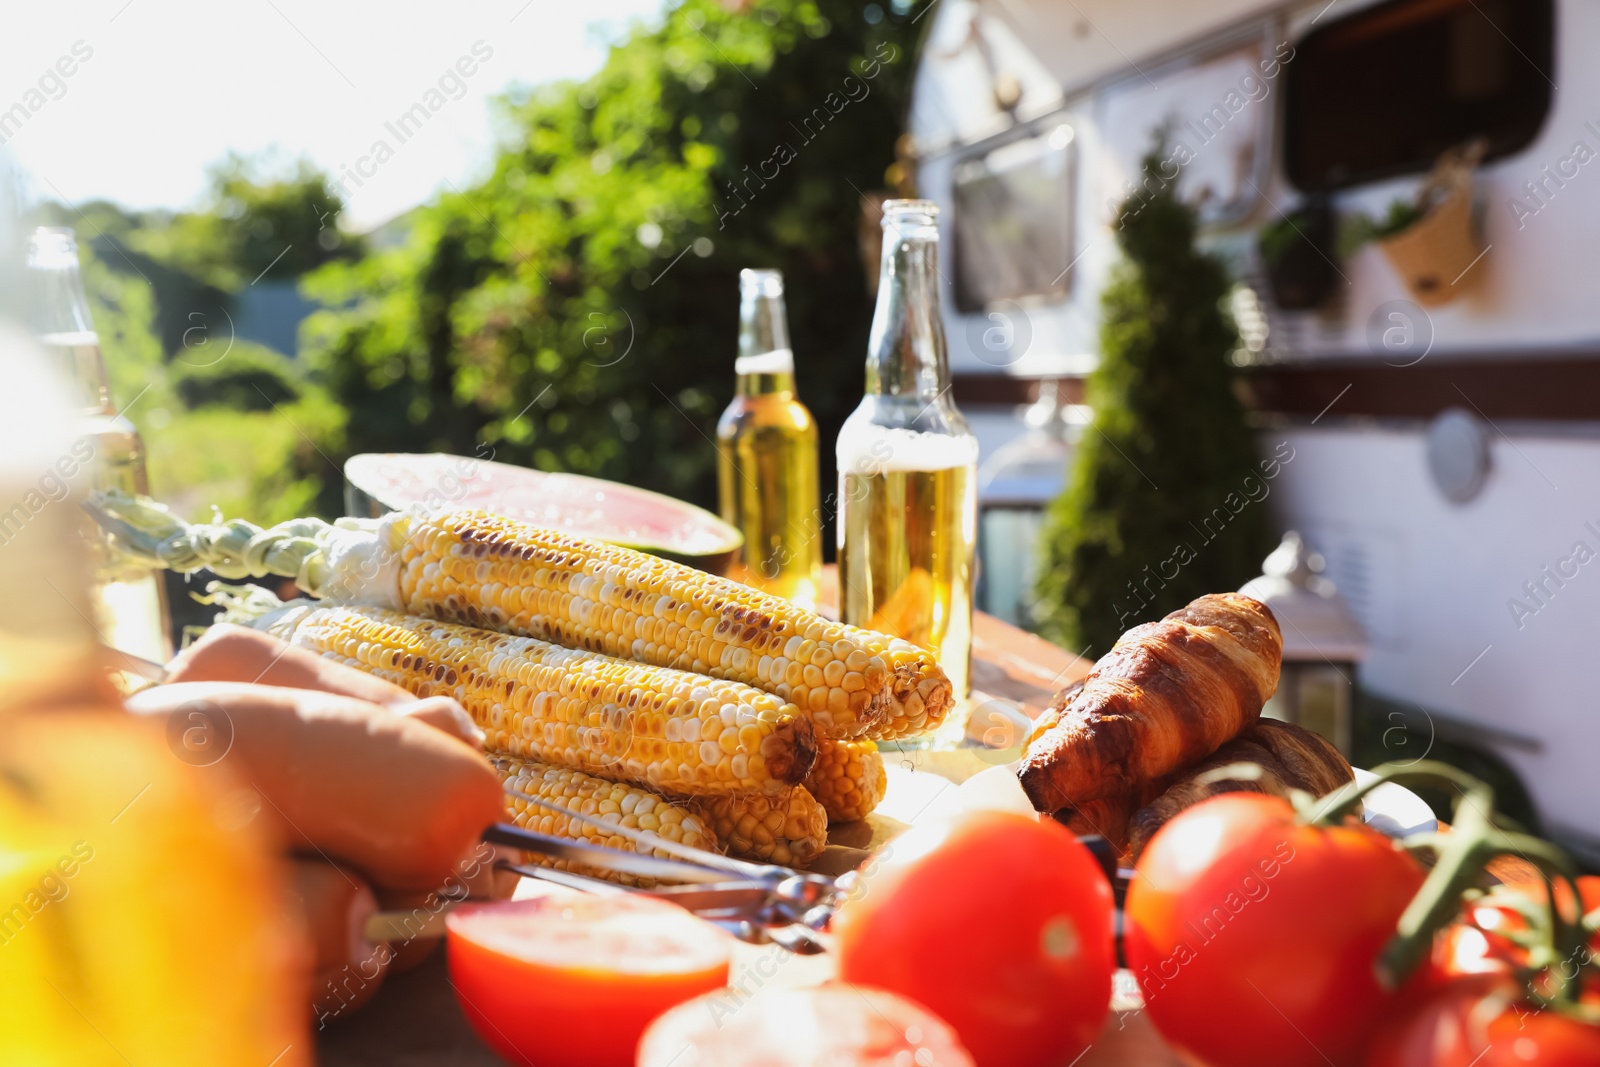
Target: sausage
x,y
393,797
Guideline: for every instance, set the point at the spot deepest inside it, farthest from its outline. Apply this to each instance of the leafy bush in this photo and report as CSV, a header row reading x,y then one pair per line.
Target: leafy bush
x,y
577,310
207,441
1162,505
245,377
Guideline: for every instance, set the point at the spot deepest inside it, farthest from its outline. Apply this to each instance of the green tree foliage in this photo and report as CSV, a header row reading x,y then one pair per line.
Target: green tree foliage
x,y
234,425
577,310
260,217
225,422
1164,502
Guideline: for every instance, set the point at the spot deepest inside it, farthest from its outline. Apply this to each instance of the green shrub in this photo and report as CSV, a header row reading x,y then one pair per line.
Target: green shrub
x,y
1166,499
245,376
577,310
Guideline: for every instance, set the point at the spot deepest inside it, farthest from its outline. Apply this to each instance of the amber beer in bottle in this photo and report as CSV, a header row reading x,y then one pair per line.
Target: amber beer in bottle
x,y
767,453
130,610
908,493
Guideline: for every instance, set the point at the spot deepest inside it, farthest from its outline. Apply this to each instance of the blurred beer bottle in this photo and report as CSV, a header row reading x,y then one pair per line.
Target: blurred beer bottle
x,y
908,490
129,603
767,453
141,911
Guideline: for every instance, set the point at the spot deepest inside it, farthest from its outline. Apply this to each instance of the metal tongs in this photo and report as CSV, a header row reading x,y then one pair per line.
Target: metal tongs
x,y
758,903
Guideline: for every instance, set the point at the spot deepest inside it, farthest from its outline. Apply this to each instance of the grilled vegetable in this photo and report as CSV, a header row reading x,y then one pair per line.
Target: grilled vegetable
x,y
653,726
627,805
481,569
791,830
484,570
847,779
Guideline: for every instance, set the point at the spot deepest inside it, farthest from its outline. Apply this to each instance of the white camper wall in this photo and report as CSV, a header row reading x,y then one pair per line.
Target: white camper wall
x,y
1444,589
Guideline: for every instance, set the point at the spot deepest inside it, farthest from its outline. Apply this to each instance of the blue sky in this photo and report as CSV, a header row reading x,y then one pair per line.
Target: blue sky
x,y
169,86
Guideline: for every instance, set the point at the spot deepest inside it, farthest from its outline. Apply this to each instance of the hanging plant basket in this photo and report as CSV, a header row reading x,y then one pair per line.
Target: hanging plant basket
x,y
1432,254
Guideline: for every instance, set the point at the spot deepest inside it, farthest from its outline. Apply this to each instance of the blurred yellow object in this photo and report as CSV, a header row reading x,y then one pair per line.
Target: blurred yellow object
x,y
138,923
141,918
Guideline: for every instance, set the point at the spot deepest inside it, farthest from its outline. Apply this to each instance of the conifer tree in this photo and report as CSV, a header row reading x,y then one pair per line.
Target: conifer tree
x,y
1167,497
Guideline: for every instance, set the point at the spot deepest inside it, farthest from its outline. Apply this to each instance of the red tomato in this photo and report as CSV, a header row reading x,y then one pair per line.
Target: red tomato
x,y
999,923
1476,1021
572,980
836,1025
1483,942
1254,937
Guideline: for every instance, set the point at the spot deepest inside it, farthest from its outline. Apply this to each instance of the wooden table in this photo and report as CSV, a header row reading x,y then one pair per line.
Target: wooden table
x,y
413,1021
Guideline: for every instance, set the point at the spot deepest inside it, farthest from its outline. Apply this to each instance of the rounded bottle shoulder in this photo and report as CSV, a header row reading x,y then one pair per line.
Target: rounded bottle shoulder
x,y
765,412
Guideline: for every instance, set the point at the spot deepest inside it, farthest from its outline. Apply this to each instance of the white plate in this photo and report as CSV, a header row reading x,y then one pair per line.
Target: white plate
x,y
1394,810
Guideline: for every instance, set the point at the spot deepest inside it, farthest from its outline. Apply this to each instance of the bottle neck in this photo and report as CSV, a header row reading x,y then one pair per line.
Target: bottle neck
x,y
766,363
65,328
906,351
78,360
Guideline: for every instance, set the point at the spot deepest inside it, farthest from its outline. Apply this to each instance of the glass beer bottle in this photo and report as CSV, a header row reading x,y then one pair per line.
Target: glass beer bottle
x,y
908,493
130,605
767,453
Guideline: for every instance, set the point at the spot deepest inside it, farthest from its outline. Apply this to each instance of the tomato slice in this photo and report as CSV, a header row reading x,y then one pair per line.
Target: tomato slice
x,y
573,980
1000,924
1254,937
837,1025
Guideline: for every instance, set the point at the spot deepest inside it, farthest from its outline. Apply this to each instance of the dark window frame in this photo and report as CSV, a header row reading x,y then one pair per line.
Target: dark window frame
x,y
1534,55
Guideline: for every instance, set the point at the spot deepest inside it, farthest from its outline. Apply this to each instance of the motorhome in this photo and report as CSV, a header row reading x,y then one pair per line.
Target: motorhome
x,y
1445,426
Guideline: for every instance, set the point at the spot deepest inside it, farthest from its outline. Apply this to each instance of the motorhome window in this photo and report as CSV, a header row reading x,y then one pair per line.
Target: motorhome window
x,y
1384,91
1013,221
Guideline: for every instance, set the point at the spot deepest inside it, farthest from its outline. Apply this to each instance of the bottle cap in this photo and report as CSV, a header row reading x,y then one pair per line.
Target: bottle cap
x,y
760,282
902,213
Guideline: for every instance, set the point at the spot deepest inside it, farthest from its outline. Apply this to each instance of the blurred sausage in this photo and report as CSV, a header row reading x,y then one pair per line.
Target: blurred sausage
x,y
395,798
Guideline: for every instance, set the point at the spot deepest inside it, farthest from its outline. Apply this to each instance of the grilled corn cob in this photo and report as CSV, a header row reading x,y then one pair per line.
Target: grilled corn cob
x,y
848,779
626,805
790,830
484,570
652,726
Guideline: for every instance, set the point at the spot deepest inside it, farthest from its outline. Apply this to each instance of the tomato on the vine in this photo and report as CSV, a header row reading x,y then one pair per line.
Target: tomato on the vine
x,y
1480,1021
1254,935
998,923
1490,937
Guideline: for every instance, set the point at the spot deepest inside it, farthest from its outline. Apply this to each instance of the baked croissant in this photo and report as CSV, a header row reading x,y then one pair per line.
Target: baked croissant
x,y
1290,757
1108,817
1167,695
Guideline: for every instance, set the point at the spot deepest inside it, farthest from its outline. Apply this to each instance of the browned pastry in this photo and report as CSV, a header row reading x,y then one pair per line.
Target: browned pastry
x,y
1108,817
1167,695
1290,757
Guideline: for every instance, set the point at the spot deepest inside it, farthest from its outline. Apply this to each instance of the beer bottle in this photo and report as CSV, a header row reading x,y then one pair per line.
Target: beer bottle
x,y
908,494
767,453
130,608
